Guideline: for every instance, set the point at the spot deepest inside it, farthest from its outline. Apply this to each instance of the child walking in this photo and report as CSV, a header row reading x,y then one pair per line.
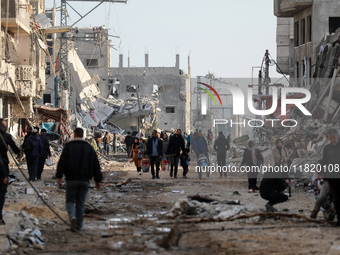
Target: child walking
x,y
185,161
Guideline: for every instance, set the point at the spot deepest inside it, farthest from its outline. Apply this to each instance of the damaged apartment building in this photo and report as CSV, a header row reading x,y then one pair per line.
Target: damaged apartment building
x,y
170,85
22,62
163,91
301,25
308,50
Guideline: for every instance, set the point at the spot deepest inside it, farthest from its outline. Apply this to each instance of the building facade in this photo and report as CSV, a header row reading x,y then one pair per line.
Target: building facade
x,y
169,84
22,61
301,25
94,50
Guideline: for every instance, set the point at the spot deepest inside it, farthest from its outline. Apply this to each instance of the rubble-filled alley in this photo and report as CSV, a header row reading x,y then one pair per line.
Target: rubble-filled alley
x,y
189,216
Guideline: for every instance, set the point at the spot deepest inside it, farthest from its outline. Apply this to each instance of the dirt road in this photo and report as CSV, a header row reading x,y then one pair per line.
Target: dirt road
x,y
134,219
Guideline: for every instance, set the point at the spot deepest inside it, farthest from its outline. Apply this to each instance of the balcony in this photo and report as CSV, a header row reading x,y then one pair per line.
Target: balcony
x,y
288,8
24,80
18,16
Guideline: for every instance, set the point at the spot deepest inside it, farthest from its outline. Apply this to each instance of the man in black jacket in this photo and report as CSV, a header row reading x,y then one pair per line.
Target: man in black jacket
x,y
271,189
221,146
155,152
46,152
5,141
176,144
79,163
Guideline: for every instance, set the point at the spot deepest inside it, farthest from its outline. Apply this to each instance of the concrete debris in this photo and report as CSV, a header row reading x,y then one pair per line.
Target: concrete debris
x,y
95,110
188,207
127,181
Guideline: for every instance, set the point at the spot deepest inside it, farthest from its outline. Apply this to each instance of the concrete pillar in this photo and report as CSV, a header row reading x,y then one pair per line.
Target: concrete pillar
x,y
177,61
120,60
146,61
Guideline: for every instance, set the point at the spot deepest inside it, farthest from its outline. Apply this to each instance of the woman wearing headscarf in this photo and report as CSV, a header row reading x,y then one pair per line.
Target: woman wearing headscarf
x,y
136,159
280,155
252,157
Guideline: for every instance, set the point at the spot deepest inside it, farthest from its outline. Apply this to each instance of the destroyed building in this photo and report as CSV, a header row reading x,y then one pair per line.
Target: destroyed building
x,y
301,25
22,62
170,85
94,50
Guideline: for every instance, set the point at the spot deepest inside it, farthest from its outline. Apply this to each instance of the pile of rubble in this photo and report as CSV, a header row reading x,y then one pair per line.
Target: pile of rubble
x,y
93,110
202,207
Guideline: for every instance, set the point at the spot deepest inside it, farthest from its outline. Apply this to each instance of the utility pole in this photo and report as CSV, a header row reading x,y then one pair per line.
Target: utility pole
x,y
64,77
266,77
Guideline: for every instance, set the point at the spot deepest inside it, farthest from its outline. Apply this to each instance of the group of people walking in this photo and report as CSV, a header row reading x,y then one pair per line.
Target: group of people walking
x,y
37,149
157,148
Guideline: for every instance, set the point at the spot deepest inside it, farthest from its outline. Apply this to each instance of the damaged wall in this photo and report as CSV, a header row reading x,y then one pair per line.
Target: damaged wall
x,y
173,90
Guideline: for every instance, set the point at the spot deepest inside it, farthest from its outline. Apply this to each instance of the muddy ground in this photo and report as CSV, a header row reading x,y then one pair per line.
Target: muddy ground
x,y
133,219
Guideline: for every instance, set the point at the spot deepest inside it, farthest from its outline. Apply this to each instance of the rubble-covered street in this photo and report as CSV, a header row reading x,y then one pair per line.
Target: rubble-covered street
x,y
219,149
187,216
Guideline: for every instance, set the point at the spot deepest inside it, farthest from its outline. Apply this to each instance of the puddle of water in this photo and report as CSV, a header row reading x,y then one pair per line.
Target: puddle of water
x,y
166,230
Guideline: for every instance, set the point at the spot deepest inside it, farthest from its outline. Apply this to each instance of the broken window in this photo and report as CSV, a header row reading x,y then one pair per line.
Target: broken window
x,y
334,24
131,88
170,109
309,28
47,98
296,34
91,62
48,68
303,31
297,70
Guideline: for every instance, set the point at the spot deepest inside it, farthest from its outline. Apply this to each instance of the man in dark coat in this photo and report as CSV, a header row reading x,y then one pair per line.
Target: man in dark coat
x,y
272,188
33,149
46,152
155,152
176,144
221,146
79,163
5,141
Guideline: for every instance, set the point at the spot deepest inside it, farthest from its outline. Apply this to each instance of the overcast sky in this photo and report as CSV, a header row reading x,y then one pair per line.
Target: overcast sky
x,y
223,37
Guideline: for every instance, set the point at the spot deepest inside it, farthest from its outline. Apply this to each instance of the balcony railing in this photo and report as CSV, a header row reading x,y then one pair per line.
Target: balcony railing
x,y
24,80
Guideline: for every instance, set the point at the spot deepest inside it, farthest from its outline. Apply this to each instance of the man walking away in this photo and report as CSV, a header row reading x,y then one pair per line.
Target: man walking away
x,y
5,141
114,144
33,149
221,146
128,142
331,160
155,152
107,142
176,144
79,163
46,152
271,189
